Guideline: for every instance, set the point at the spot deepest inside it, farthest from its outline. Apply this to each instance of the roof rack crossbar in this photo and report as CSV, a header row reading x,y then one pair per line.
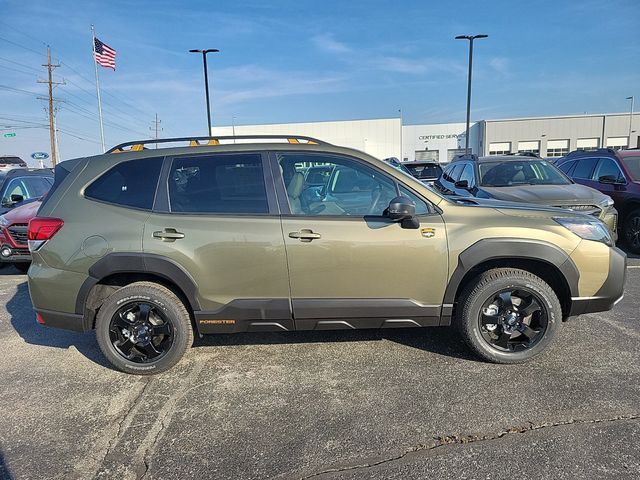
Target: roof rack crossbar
x,y
214,140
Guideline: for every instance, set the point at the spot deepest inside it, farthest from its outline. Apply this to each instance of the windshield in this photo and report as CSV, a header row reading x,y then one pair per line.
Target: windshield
x,y
633,166
429,170
525,172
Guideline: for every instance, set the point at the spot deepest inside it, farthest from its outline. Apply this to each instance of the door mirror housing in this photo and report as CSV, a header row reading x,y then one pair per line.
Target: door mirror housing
x,y
610,180
17,198
462,184
401,208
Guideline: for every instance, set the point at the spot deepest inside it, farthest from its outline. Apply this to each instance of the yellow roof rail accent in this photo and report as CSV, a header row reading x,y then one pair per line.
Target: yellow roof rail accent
x,y
196,143
311,142
137,147
214,141
293,140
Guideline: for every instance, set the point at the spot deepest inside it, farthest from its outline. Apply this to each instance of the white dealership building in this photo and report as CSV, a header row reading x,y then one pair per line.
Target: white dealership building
x,y
388,137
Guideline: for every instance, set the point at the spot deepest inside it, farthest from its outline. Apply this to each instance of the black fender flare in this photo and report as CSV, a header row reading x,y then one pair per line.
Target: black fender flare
x,y
510,248
139,263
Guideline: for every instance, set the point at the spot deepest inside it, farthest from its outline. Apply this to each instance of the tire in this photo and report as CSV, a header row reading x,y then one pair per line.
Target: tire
x,y
631,231
121,320
22,267
485,300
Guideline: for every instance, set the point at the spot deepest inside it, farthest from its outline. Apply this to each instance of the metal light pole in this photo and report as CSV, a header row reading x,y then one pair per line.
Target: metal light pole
x,y
471,38
206,82
630,121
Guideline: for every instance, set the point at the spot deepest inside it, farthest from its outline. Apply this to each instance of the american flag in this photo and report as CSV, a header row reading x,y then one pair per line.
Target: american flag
x,y
104,54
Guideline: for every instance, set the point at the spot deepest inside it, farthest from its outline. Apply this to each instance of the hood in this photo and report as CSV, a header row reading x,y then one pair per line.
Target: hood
x,y
555,195
23,213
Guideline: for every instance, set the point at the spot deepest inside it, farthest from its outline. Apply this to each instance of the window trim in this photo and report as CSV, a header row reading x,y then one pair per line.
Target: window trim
x,y
284,202
103,172
163,198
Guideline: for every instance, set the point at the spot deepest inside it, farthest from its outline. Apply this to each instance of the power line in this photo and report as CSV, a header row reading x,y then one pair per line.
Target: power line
x,y
21,46
37,40
17,70
18,90
20,64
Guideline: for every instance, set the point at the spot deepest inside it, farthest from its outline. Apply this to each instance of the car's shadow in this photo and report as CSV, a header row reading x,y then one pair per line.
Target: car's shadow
x,y
442,341
24,322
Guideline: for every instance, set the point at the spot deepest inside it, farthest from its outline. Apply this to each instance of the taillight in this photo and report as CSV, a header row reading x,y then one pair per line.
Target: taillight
x,y
43,228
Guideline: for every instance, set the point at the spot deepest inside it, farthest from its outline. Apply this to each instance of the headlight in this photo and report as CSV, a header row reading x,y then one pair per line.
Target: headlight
x,y
4,222
587,228
606,202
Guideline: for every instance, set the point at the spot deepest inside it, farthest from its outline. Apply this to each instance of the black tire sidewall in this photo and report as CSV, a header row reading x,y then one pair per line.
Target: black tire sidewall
x,y
473,306
627,221
174,312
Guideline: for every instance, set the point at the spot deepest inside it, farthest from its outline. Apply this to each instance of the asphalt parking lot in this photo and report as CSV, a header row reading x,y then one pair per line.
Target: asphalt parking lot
x,y
400,404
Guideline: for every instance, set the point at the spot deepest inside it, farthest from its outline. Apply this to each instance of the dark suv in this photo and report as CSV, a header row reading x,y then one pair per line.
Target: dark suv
x,y
617,174
523,178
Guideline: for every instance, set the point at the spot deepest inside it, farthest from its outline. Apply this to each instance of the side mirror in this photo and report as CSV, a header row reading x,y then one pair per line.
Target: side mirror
x,y
16,198
462,184
609,180
401,208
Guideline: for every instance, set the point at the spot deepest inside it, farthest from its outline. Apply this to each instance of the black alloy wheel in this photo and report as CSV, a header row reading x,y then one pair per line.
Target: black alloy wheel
x,y
632,231
141,332
513,320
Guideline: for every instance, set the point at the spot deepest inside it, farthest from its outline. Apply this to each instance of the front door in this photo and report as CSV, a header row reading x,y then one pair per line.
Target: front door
x,y
349,266
221,225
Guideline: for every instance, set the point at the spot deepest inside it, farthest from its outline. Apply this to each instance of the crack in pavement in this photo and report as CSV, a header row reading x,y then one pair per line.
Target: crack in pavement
x,y
455,439
142,458
125,419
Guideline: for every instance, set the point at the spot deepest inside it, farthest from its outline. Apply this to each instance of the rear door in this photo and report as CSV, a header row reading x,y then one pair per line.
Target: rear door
x,y
217,218
351,267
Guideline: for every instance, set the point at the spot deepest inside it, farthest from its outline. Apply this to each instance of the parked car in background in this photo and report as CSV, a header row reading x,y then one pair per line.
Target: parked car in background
x,y
526,179
426,172
9,162
398,165
13,234
616,174
127,244
18,185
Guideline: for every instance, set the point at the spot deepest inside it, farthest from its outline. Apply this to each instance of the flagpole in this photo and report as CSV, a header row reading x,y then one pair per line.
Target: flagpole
x,y
95,64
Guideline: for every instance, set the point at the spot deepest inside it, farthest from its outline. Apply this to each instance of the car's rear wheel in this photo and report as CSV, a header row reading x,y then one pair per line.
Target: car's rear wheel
x,y
143,328
508,315
631,231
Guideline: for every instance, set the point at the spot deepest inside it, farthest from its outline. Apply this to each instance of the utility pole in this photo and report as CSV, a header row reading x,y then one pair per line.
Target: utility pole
x,y
52,122
156,127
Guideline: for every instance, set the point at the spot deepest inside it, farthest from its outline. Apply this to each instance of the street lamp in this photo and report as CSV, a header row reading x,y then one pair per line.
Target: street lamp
x,y
631,121
471,38
206,81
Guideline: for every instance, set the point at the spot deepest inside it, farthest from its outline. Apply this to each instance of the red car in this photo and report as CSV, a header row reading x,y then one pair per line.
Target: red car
x,y
13,235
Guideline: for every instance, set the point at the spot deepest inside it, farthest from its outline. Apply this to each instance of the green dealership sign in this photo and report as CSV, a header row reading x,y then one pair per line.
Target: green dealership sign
x,y
8,135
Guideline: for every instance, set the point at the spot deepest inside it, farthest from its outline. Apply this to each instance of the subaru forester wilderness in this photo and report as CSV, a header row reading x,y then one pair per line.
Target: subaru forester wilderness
x,y
149,246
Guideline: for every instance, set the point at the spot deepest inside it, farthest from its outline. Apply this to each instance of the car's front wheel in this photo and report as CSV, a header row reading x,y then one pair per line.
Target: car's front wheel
x,y
508,315
143,328
631,231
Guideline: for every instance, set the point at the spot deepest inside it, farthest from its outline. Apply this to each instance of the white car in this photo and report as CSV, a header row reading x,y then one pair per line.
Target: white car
x,y
10,162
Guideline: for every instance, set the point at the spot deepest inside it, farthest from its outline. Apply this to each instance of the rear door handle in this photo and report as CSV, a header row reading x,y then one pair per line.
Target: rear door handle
x,y
168,235
305,235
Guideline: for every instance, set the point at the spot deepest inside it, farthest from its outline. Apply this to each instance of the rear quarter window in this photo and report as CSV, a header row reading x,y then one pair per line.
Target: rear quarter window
x,y
130,184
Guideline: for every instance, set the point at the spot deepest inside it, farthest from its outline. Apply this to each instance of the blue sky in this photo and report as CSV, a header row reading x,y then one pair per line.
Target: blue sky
x,y
289,61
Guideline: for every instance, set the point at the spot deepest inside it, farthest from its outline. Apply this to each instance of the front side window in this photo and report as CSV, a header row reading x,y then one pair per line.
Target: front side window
x,y
14,187
632,162
608,168
218,183
520,172
467,174
353,189
131,184
567,166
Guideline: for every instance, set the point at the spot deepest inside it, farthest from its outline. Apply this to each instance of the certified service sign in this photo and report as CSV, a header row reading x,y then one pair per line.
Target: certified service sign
x,y
39,155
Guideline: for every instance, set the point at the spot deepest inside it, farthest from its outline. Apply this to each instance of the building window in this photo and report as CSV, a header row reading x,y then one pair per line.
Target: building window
x,y
618,143
529,147
557,148
427,155
499,148
454,152
588,144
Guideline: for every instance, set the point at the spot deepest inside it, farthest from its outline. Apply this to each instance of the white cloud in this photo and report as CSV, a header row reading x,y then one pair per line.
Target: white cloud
x,y
328,44
500,65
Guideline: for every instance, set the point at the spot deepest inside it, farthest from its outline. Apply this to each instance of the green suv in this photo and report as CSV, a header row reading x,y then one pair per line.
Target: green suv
x,y
151,246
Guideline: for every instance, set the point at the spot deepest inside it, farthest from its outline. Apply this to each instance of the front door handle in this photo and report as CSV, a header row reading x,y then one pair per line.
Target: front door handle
x,y
305,235
168,235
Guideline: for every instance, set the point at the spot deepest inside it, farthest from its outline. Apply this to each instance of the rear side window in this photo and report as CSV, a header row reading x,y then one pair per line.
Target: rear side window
x,y
11,160
130,184
218,184
566,167
467,174
584,168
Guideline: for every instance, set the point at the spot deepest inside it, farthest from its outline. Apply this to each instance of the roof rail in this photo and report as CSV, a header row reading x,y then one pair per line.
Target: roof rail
x,y
198,141
597,151
465,156
523,154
